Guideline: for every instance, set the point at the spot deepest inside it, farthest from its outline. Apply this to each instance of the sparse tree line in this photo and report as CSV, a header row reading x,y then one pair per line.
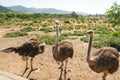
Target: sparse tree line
x,y
37,15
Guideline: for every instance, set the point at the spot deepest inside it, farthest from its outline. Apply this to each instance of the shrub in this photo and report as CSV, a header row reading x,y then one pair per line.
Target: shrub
x,y
62,38
28,29
47,29
99,41
66,27
115,42
66,34
50,39
116,34
103,30
85,38
78,33
15,34
77,27
67,21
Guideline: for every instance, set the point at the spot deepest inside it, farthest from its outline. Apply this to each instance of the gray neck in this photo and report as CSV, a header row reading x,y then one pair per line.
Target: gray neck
x,y
89,48
57,35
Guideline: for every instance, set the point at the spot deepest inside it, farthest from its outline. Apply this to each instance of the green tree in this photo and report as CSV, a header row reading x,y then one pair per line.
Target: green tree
x,y
114,13
74,15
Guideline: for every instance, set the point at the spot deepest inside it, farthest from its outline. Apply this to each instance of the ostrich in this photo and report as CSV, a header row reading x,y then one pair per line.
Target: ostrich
x,y
61,51
29,49
103,60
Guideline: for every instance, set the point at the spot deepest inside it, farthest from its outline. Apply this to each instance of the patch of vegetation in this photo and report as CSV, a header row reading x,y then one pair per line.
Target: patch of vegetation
x,y
77,27
78,33
47,39
28,29
116,34
47,29
99,41
115,40
66,27
103,30
66,34
15,34
85,38
50,39
67,21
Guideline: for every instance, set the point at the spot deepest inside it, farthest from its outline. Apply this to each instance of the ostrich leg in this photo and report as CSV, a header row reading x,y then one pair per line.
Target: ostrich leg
x,y
26,67
61,67
31,60
65,72
104,75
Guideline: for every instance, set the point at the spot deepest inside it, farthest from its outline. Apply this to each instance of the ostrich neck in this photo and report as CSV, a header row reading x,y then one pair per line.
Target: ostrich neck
x,y
57,36
55,51
89,49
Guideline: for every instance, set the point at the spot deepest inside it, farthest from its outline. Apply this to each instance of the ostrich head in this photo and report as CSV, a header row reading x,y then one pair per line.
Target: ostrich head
x,y
57,22
90,32
41,47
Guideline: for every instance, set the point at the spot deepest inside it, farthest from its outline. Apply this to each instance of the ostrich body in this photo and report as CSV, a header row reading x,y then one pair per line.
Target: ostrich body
x,y
61,51
29,49
103,60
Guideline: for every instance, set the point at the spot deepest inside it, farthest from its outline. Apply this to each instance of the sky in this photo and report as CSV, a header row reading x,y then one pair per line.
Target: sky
x,y
86,6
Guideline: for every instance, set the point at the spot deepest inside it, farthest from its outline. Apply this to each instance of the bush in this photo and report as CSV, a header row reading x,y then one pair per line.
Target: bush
x,y
28,29
62,38
67,21
85,39
103,30
50,39
66,27
116,34
77,27
15,34
66,34
115,42
47,29
99,41
78,33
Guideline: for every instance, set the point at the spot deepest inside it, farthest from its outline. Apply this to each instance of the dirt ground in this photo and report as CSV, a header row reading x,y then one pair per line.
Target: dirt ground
x,y
77,68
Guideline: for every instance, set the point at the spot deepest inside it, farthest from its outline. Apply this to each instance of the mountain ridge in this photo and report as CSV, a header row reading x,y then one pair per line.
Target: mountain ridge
x,y
23,9
4,9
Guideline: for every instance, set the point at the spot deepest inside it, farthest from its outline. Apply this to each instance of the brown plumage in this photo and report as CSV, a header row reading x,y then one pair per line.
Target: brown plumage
x,y
29,49
62,51
102,60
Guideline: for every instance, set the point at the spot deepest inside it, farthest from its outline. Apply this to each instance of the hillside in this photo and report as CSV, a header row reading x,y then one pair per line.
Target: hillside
x,y
23,9
4,9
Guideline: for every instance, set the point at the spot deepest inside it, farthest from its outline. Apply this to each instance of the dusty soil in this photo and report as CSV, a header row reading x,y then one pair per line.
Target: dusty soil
x,y
77,68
